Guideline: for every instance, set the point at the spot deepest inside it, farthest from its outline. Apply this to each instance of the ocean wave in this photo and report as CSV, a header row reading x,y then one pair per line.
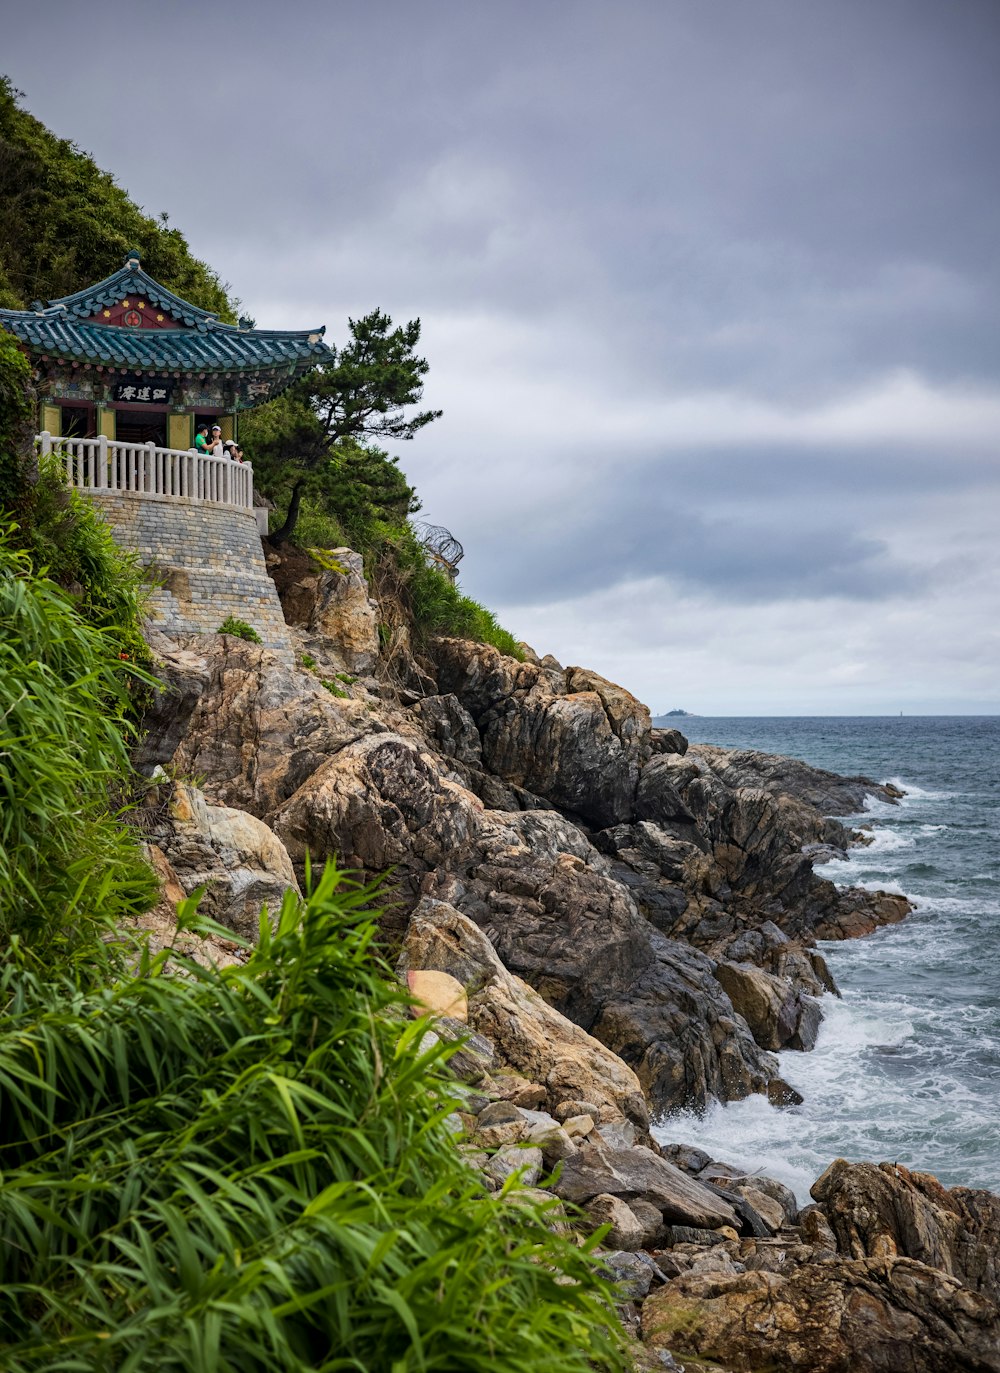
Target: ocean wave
x,y
915,793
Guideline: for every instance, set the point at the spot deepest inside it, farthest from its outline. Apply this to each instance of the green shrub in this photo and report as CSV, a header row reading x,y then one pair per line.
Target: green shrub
x,y
240,629
15,425
67,868
440,608
249,1169
67,538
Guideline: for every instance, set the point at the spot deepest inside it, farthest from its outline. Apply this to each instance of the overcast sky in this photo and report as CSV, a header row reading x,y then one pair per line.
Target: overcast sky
x,y
710,293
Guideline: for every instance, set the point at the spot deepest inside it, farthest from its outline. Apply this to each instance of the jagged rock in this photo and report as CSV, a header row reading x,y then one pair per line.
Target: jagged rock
x,y
825,792
343,778
581,749
778,1016
512,1158
531,1037
244,720
878,1211
668,740
240,862
438,992
451,728
840,1316
334,605
594,1170
627,1231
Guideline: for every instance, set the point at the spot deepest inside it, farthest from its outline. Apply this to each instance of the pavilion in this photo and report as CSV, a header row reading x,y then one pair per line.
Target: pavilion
x,y
129,361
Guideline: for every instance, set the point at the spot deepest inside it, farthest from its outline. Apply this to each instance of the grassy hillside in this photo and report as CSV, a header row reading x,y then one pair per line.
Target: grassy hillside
x,y
65,223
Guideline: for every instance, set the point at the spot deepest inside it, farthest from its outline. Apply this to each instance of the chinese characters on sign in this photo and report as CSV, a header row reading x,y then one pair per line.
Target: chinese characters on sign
x,y
144,390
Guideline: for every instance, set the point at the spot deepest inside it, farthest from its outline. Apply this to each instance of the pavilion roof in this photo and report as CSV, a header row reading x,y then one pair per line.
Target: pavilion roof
x,y
66,329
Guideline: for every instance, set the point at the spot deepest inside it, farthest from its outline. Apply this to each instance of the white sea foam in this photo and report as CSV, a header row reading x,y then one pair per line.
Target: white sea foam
x,y
885,841
872,1092
915,793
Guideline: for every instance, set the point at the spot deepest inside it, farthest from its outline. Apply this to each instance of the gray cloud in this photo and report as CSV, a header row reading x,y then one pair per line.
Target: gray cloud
x,y
710,293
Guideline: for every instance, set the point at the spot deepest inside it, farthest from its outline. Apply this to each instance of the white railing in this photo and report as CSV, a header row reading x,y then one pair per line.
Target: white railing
x,y
103,464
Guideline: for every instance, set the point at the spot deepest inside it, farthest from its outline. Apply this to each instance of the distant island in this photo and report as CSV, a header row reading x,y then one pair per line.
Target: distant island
x,y
672,715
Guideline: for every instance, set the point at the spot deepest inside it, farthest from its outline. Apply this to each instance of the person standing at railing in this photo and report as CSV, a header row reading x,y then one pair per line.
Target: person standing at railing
x,y
201,439
215,442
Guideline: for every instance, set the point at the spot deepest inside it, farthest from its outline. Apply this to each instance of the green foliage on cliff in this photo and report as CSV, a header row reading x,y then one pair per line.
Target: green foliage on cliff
x,y
67,868
15,423
250,1169
58,530
64,223
317,436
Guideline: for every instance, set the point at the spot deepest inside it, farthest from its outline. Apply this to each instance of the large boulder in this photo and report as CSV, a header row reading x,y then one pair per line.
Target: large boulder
x,y
595,1170
838,1316
529,1036
238,860
883,1210
239,717
578,741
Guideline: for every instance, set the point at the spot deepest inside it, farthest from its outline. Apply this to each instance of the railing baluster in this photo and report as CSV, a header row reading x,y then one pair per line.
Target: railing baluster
x,y
105,465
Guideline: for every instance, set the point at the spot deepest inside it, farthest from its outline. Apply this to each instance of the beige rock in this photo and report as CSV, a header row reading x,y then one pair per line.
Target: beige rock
x,y
240,861
579,1127
627,1230
438,992
239,716
528,1034
839,1316
337,606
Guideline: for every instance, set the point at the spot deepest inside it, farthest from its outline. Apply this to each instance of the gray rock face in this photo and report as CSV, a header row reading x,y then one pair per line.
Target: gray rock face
x,y
825,792
878,1211
241,864
594,1171
626,942
581,747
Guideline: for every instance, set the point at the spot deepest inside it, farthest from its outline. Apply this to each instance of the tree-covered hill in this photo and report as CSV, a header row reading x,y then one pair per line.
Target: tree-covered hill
x,y
65,223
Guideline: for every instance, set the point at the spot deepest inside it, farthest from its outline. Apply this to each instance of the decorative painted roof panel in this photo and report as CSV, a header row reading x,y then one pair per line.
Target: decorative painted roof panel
x,y
67,329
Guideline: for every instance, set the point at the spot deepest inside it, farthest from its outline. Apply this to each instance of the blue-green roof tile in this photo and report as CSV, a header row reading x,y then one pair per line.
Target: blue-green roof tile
x,y
65,329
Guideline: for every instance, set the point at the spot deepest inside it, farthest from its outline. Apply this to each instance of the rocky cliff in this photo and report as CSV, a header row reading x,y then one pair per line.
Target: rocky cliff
x,y
625,925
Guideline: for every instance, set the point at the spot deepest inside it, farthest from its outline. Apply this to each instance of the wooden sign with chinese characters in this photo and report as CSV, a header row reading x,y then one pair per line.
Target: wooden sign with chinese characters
x,y
144,390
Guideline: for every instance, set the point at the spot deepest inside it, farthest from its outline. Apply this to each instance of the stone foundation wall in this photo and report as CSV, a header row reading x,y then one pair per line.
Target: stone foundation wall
x,y
207,558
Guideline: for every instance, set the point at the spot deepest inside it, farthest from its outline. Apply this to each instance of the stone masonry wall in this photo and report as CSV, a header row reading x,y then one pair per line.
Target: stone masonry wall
x,y
207,558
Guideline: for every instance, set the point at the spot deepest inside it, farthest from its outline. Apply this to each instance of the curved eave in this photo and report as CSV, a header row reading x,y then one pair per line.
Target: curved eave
x,y
130,281
221,349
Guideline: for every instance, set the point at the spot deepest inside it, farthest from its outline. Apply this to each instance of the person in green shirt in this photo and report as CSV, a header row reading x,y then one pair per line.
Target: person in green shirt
x,y
201,438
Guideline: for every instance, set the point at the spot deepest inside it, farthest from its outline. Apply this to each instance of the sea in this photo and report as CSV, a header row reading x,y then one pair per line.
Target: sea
x,y
907,1065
